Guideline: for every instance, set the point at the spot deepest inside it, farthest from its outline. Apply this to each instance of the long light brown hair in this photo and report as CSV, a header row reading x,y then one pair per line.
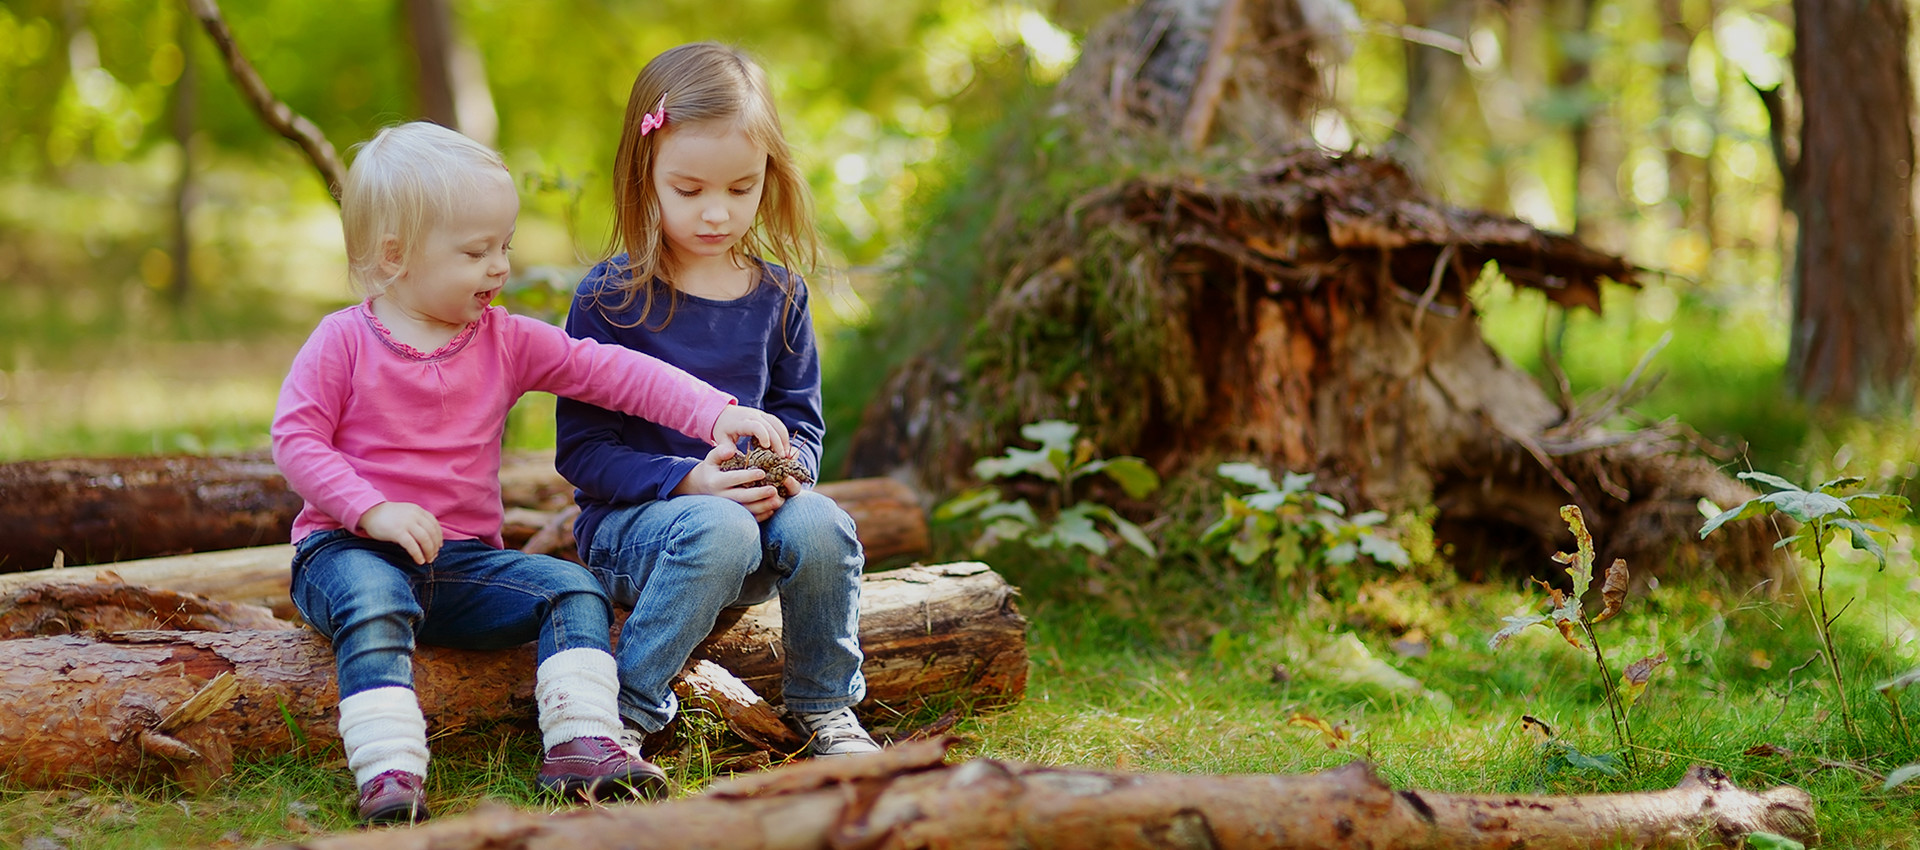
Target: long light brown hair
x,y
705,83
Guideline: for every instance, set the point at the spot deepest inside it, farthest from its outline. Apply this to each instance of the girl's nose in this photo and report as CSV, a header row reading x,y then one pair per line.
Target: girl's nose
x,y
714,214
500,265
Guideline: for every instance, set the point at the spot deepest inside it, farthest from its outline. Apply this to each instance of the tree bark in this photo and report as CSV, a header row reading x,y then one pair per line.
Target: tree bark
x,y
430,31
253,576
88,707
1852,343
908,797
102,510
90,511
107,605
185,100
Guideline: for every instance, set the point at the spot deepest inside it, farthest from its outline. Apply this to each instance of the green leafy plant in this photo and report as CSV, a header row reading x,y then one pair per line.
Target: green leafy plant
x,y
1295,527
1568,614
1066,464
1822,513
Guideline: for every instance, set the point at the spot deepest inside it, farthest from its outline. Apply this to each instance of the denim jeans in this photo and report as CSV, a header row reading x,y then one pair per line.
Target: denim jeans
x,y
677,562
372,601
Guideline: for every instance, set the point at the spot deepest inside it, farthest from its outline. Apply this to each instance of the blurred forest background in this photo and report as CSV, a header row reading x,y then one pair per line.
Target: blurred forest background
x,y
164,252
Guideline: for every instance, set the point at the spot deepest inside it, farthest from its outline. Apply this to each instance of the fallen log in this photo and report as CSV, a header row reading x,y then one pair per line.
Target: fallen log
x,y
252,576
107,605
87,707
908,797
96,510
104,510
891,525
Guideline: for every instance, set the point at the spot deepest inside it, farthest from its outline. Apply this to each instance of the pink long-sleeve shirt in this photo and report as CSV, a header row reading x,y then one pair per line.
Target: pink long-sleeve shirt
x,y
365,419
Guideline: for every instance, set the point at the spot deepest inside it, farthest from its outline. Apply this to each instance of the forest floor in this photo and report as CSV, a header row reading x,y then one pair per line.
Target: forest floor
x,y
1211,674
1189,665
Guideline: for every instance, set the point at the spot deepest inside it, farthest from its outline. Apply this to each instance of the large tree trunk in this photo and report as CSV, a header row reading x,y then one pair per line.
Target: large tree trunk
x,y
88,707
908,797
1852,342
104,510
1266,301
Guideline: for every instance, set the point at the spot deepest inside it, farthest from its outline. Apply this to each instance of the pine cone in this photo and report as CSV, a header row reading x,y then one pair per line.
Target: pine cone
x,y
777,468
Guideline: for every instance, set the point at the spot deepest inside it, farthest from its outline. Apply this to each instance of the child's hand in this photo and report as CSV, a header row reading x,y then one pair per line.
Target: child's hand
x,y
407,524
737,421
746,486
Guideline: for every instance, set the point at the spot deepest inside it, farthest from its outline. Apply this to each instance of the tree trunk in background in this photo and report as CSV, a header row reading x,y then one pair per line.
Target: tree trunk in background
x,y
1852,343
186,97
1573,35
430,32
1433,76
451,79
1687,174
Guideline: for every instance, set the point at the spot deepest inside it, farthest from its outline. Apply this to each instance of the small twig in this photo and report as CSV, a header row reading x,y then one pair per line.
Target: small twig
x,y
1861,769
1198,123
1422,36
1440,266
1789,693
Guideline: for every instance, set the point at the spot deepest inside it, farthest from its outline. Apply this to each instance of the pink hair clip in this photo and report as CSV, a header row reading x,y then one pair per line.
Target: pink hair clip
x,y
650,123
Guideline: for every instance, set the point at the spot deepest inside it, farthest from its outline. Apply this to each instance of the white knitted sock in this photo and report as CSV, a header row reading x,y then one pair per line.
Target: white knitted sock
x,y
578,693
383,730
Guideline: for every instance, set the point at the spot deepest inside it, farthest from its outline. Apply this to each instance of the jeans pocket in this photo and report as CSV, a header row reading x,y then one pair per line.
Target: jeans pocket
x,y
620,587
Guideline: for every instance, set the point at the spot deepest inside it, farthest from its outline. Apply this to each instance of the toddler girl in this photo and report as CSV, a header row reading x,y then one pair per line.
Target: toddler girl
x,y
706,191
389,427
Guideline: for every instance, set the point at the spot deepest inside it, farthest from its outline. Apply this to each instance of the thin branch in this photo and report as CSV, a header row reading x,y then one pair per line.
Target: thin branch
x,y
1198,123
275,113
1440,265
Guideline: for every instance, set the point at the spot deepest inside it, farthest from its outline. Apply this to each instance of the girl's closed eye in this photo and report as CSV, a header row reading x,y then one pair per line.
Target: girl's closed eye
x,y
685,193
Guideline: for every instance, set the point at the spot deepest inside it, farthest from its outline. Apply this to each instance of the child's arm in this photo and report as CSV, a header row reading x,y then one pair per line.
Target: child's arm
x,y
619,378
305,422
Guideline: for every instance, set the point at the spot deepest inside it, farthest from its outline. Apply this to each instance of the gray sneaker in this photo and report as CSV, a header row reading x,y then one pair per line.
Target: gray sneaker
x,y
835,734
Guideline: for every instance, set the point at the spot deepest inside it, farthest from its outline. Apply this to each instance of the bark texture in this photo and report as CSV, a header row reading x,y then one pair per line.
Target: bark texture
x,y
252,576
97,510
105,510
907,797
1853,301
86,707
106,605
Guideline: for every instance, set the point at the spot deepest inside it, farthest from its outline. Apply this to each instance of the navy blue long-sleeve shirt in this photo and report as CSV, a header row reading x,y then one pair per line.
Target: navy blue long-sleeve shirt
x,y
756,347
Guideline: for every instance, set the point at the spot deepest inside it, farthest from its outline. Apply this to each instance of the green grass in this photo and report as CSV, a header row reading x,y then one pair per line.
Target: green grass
x,y
1187,666
1158,671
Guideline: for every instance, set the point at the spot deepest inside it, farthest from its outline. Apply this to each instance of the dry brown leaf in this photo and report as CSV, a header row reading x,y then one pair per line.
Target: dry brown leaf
x,y
1613,594
1334,735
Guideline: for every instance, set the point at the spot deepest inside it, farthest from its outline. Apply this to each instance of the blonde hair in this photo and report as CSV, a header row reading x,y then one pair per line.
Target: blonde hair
x,y
402,181
705,83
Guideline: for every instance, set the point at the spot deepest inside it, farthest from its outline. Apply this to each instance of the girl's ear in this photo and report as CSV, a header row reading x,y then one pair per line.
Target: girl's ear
x,y
393,260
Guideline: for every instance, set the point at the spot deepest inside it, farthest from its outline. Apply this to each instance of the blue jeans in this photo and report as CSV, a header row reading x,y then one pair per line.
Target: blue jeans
x,y
677,562
372,601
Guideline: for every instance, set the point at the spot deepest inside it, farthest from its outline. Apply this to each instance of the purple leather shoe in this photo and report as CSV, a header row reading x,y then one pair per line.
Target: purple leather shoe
x,y
395,796
600,769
